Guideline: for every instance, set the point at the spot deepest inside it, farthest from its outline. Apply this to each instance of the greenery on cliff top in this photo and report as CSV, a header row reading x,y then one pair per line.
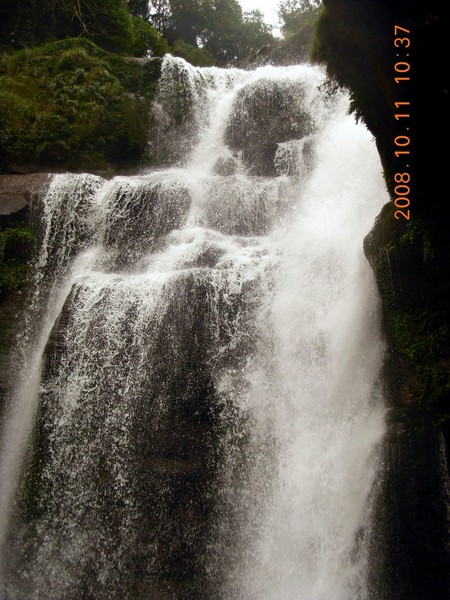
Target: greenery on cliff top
x,y
74,96
71,95
202,31
107,23
71,104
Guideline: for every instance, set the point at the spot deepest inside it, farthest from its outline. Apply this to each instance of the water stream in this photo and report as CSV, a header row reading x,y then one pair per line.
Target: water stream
x,y
201,416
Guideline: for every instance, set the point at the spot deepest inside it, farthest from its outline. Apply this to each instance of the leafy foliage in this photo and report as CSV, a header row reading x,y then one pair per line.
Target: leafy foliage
x,y
69,104
108,23
199,57
139,8
294,15
187,21
217,26
147,39
255,33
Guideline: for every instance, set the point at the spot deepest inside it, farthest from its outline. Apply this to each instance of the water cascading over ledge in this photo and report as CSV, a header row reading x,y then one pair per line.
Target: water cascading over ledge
x,y
201,415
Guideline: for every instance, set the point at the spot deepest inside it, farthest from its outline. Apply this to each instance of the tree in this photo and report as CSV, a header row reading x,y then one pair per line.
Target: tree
x,y
186,21
255,32
160,14
199,57
147,39
223,21
107,22
139,8
8,18
295,14
32,22
218,28
116,25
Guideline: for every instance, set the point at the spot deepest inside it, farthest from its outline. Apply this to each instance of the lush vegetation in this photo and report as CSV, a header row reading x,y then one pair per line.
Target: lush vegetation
x,y
71,104
108,23
219,27
297,20
214,30
71,95
295,15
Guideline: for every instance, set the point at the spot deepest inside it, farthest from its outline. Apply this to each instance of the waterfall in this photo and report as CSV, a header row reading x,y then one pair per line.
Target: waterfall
x,y
198,412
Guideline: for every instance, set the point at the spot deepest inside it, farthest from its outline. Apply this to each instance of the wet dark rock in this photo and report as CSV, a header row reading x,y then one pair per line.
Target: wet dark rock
x,y
17,191
226,166
17,245
167,428
265,114
410,537
143,212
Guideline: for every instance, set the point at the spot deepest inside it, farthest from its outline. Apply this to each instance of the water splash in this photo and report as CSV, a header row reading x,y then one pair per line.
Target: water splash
x,y
202,411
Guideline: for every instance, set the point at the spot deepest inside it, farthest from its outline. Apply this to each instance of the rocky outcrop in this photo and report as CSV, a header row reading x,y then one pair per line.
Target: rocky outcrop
x,y
143,212
265,114
17,191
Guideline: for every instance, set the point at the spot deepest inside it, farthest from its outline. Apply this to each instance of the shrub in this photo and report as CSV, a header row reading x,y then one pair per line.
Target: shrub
x,y
199,57
73,105
147,40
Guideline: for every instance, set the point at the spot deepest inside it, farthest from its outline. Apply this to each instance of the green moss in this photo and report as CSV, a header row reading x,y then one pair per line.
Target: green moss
x,y
422,335
73,105
17,247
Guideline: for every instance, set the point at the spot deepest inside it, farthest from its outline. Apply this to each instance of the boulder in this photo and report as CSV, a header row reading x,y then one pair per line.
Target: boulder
x,y
265,114
17,191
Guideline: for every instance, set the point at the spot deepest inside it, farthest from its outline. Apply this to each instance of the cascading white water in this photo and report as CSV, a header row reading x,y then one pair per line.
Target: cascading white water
x,y
313,389
207,416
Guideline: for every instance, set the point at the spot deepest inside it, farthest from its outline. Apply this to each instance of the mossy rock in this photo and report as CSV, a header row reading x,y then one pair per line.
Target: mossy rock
x,y
18,244
74,106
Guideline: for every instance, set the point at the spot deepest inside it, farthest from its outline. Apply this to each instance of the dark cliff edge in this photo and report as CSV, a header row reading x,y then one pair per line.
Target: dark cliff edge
x,y
18,245
410,259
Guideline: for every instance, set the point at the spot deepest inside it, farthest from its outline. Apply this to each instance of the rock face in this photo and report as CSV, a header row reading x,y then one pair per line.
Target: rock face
x,y
411,260
410,540
143,214
266,114
17,191
171,469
